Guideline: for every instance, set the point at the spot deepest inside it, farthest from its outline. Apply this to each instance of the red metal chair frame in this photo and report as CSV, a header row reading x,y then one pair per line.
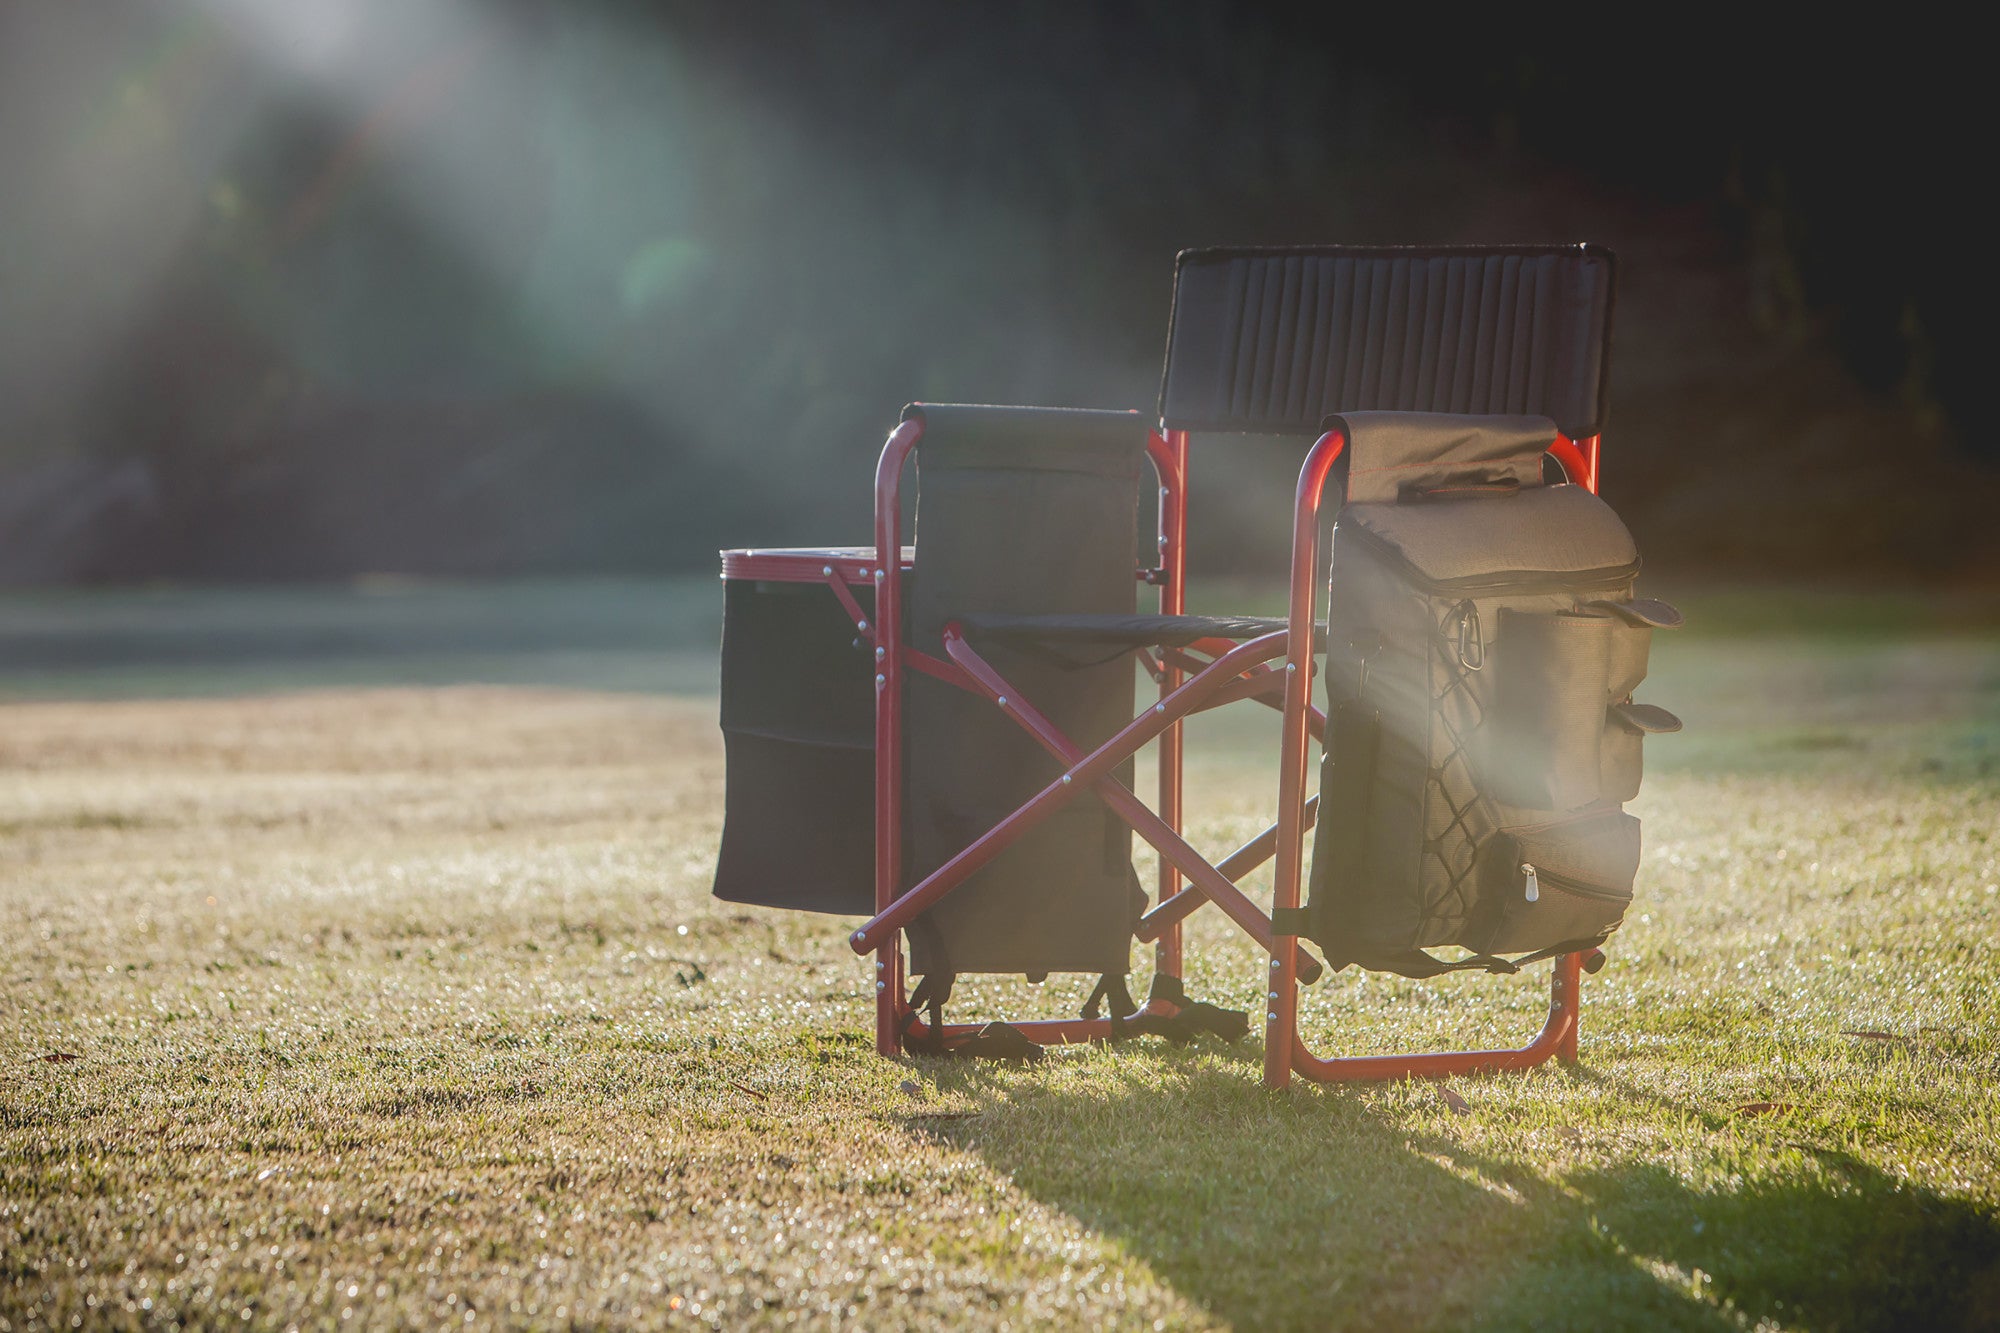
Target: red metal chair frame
x,y
1207,675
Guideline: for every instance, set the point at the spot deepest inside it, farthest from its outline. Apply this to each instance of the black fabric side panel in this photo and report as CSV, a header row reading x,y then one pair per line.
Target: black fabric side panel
x,y
798,829
791,664
994,536
798,709
1338,894
1274,340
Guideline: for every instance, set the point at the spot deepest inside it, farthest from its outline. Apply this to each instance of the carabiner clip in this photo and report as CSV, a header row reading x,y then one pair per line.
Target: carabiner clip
x,y
1471,637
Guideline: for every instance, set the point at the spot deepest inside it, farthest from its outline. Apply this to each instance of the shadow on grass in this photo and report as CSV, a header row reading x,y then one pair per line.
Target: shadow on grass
x,y
1317,1209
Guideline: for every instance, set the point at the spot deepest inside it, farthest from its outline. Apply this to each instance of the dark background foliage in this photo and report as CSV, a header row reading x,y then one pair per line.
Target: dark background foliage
x,y
326,288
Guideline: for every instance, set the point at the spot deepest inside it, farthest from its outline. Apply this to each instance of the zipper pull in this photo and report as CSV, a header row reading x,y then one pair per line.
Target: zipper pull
x,y
1534,884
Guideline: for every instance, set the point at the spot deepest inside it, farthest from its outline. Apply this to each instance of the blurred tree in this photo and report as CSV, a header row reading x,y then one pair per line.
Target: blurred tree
x,y
368,294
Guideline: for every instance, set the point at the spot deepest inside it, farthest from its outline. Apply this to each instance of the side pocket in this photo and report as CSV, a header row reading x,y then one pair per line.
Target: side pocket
x,y
1633,623
1547,730
1622,762
1625,661
1561,885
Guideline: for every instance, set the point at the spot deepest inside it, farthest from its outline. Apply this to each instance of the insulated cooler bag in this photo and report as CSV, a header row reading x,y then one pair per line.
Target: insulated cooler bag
x,y
1484,645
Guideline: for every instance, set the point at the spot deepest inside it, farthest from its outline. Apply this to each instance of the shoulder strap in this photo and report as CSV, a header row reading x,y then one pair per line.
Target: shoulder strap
x,y
1420,966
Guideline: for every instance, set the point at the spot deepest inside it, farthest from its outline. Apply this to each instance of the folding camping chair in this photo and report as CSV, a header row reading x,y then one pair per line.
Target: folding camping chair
x,y
1008,630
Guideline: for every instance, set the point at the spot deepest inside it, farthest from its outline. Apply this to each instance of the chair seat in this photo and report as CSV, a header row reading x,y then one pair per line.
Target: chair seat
x,y
1133,631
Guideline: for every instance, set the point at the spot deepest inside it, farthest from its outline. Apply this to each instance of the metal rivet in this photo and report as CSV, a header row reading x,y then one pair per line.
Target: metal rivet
x,y
881,985
861,625
881,966
878,576
1270,1018
1274,994
881,653
1163,492
1065,779
857,936
1163,543
1274,962
1291,666
826,570
880,681
1002,701
1159,708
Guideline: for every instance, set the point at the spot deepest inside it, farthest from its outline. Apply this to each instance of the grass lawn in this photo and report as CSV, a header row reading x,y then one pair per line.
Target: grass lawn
x,y
332,994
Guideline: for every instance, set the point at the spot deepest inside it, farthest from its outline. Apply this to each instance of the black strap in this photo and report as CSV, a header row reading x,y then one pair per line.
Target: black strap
x,y
1420,966
1228,1024
1190,1019
932,990
1111,989
995,1041
1288,921
999,1041
1583,947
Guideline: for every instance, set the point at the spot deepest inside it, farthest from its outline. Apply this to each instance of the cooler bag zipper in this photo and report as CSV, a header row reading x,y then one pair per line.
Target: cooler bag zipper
x,y
1534,875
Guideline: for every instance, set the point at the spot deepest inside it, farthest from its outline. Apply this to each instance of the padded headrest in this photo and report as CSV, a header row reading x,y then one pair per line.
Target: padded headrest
x,y
1274,340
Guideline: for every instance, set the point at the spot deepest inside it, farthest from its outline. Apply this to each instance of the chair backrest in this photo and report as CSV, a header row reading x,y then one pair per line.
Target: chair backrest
x,y
1020,510
1273,341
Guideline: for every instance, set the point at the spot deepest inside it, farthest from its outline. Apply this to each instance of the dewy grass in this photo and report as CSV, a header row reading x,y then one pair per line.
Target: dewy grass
x,y
411,1007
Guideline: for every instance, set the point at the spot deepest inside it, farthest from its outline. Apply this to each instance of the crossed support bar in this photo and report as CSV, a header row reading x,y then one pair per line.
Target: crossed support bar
x,y
1232,672
1092,771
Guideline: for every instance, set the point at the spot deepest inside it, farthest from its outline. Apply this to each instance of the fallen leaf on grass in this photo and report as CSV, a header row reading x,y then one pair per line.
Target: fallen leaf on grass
x,y
911,1086
1763,1108
59,1058
749,1091
1457,1103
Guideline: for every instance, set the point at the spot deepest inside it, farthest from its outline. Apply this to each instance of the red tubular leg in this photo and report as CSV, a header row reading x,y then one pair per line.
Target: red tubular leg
x,y
1169,453
1281,1017
1558,1031
889,723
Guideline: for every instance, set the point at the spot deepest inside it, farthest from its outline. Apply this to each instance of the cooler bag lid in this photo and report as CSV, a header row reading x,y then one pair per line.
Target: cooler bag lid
x,y
1558,532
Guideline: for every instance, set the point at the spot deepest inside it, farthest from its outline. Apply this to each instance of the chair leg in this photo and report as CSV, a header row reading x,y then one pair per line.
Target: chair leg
x,y
1281,1016
1557,1035
889,1006
1569,996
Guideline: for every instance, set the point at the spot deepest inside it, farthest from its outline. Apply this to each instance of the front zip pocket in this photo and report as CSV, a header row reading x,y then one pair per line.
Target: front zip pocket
x,y
1564,884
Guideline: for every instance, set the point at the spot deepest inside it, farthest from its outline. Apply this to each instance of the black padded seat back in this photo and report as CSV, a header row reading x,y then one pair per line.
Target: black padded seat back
x,y
1273,341
1020,511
